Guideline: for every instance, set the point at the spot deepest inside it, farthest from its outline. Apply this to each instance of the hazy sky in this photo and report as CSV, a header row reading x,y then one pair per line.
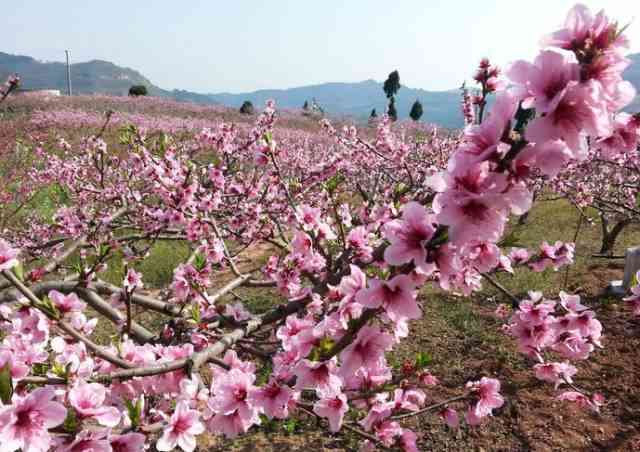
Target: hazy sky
x,y
242,45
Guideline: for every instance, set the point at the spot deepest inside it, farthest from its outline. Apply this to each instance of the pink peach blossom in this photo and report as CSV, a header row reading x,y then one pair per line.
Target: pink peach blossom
x,y
409,235
25,423
332,406
184,426
396,296
366,350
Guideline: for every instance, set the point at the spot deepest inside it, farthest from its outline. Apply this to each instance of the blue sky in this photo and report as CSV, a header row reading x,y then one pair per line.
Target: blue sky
x,y
242,45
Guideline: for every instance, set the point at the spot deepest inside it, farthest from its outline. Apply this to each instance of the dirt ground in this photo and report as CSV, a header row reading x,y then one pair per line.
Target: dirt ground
x,y
465,342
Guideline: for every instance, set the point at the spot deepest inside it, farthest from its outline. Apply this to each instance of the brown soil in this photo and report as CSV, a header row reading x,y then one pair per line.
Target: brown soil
x,y
464,340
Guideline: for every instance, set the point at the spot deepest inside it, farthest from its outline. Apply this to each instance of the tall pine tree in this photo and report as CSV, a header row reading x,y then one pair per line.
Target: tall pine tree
x,y
390,88
393,114
392,84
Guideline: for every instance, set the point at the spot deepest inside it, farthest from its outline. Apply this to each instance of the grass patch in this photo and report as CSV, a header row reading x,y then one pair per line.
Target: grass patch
x,y
258,300
157,268
163,259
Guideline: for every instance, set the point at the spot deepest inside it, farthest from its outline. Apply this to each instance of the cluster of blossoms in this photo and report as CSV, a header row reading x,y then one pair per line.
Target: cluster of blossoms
x,y
467,105
608,180
488,77
555,256
573,334
77,118
352,229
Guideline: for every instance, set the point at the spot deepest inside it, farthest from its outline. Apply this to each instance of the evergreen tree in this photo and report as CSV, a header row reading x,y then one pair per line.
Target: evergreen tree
x,y
391,87
393,114
416,110
373,114
392,84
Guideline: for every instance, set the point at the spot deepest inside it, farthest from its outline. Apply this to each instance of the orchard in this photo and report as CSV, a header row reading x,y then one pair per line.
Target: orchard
x,y
347,228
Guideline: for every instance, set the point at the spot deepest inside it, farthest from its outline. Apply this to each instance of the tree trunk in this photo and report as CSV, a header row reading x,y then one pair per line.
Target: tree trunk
x,y
609,237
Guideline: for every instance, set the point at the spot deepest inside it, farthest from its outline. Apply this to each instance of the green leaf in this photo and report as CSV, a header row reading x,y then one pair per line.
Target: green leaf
x,y
58,370
47,305
127,134
315,354
6,384
78,268
290,426
423,360
71,422
333,183
61,371
40,369
195,313
401,188
104,249
199,262
118,344
325,345
18,270
135,411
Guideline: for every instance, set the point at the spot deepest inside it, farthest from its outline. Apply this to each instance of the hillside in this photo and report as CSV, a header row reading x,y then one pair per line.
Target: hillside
x,y
350,99
357,100
91,77
94,76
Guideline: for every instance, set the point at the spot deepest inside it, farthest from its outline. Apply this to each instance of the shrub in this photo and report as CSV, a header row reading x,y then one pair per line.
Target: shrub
x,y
247,108
416,110
138,90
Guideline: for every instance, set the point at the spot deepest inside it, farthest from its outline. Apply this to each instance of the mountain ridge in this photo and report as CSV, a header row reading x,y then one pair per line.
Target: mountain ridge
x,y
355,99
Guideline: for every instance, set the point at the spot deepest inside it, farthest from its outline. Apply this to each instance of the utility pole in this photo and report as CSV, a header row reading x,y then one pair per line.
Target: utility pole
x,y
68,74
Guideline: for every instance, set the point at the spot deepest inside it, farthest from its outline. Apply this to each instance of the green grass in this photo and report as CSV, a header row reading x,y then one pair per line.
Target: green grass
x,y
258,300
557,220
164,257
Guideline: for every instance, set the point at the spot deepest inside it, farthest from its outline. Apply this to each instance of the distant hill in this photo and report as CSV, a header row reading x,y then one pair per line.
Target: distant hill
x,y
91,77
352,99
94,76
357,100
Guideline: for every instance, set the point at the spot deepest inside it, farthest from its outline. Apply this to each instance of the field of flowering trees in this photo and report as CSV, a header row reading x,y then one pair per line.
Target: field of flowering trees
x,y
181,277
